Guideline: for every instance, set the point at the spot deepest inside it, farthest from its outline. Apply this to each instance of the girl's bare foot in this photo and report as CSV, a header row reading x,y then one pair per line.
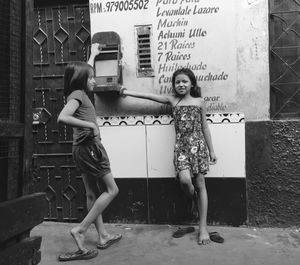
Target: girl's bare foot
x,y
203,237
78,237
104,238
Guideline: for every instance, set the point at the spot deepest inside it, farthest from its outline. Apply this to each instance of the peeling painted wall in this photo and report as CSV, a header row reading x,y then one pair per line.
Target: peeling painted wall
x,y
252,59
272,147
236,44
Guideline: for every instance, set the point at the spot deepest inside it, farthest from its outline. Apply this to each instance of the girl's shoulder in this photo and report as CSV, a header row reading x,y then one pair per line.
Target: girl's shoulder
x,y
202,102
192,101
199,101
173,100
76,94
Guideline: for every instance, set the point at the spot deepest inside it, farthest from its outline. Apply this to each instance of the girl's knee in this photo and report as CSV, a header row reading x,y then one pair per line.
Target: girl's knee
x,y
185,180
113,191
91,196
116,191
187,188
111,186
185,184
200,183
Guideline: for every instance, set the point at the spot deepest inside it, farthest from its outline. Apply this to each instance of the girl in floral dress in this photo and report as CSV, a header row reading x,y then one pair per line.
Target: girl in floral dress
x,y
193,151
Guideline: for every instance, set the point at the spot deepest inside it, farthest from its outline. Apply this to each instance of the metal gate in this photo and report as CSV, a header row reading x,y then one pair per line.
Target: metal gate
x,y
284,58
61,34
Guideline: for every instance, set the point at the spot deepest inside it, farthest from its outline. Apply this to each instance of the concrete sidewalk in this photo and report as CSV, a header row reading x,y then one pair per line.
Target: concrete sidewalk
x,y
153,245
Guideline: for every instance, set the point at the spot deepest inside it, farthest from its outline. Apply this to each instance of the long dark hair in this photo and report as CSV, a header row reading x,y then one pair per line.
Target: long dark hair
x,y
76,77
195,89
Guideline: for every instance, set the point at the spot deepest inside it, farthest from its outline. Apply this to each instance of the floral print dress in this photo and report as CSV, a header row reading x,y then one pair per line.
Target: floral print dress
x,y
190,151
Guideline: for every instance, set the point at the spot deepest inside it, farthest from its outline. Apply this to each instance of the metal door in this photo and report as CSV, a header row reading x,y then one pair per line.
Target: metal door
x,y
61,33
284,26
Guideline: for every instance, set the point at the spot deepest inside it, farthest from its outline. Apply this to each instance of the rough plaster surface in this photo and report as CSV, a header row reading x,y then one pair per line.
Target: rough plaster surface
x,y
273,172
253,85
249,93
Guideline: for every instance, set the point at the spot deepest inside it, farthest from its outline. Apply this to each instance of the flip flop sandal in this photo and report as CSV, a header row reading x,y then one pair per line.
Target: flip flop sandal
x,y
215,237
78,255
180,232
111,241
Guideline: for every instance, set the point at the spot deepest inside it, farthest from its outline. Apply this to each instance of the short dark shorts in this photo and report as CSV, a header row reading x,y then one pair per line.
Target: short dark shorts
x,y
91,158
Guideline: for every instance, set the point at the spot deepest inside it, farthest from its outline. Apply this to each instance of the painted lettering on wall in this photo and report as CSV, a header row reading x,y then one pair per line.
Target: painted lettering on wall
x,y
119,6
197,34
178,37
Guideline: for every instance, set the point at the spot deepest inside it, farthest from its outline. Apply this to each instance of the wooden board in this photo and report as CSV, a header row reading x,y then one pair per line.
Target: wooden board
x,y
21,215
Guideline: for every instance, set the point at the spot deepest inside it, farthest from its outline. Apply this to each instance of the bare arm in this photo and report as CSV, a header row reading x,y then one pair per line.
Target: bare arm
x,y
66,117
165,99
207,135
95,50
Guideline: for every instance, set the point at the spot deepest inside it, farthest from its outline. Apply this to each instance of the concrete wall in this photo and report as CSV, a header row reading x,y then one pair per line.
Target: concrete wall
x,y
273,172
142,147
237,44
253,86
141,154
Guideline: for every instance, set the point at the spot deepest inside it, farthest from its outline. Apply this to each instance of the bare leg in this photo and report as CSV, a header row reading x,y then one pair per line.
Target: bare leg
x,y
186,184
94,215
202,202
92,193
103,235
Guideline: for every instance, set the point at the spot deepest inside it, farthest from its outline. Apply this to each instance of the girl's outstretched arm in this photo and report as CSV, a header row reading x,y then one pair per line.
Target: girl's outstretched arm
x,y
207,135
165,99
